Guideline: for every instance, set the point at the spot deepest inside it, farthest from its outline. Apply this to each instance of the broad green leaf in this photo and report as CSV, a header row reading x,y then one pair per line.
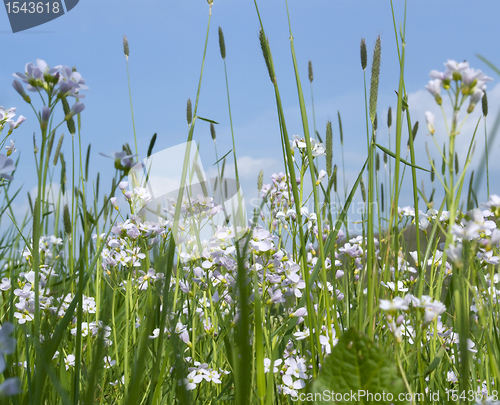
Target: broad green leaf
x,y
355,366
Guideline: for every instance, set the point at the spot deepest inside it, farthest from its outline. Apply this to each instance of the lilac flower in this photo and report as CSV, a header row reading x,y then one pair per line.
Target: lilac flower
x,y
114,202
122,160
76,108
36,76
71,83
261,241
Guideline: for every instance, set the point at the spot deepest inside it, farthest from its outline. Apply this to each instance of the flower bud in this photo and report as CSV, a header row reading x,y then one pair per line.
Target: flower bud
x,y
114,202
400,319
429,117
474,99
19,88
45,117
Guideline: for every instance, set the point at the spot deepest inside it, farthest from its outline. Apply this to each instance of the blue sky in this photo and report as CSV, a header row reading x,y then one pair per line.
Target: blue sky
x,y
166,45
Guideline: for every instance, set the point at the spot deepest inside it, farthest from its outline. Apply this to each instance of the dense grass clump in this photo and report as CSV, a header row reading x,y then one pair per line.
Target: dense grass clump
x,y
175,297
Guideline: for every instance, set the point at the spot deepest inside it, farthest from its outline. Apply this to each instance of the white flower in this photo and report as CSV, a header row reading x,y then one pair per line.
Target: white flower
x,y
434,88
191,380
11,148
108,363
451,377
321,176
69,361
23,317
429,117
395,304
290,386
155,334
267,365
5,284
392,286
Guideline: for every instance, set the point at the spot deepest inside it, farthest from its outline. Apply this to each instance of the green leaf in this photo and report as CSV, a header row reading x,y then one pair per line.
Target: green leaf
x,y
222,158
355,366
435,362
207,120
402,160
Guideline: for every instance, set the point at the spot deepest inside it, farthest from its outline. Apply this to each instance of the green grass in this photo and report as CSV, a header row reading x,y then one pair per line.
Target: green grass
x,y
278,312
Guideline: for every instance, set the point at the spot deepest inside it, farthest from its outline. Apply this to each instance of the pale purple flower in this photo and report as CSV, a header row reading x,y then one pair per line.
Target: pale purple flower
x,y
114,202
76,108
301,312
45,116
122,160
34,75
261,240
10,386
70,83
6,165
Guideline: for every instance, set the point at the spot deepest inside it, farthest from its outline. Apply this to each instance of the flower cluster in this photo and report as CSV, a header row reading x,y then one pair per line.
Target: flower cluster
x,y
60,81
460,78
